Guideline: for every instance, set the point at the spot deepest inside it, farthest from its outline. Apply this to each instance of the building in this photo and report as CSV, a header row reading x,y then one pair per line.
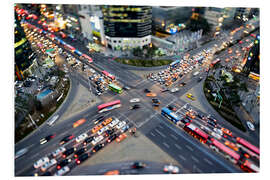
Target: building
x,y
24,56
127,27
241,13
214,17
170,19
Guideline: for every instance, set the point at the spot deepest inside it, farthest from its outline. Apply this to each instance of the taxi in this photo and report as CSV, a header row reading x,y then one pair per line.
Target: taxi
x,y
107,121
96,128
190,96
151,94
78,123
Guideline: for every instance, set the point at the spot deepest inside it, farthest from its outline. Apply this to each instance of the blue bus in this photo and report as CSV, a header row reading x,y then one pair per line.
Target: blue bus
x,y
170,115
78,52
175,63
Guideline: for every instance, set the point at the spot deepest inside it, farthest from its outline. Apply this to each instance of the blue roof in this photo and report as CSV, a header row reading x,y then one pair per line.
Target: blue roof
x,y
175,62
169,112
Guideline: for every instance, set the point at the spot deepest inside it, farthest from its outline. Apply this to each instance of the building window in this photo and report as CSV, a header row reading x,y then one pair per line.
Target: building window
x,y
114,41
119,41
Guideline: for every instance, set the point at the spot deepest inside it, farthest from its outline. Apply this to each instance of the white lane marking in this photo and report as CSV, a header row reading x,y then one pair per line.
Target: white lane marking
x,y
208,161
160,133
190,148
152,134
178,147
174,136
182,157
195,159
145,121
165,144
161,127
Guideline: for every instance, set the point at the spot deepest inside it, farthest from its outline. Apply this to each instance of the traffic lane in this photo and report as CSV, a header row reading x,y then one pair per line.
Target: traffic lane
x,y
169,129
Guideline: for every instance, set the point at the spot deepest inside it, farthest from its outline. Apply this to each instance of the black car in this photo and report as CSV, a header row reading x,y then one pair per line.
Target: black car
x,y
136,106
182,84
82,158
46,139
68,152
186,120
97,147
63,163
201,116
109,132
155,101
111,138
155,104
147,91
99,119
171,107
211,118
66,139
200,78
138,165
79,152
48,173
212,123
88,140
27,83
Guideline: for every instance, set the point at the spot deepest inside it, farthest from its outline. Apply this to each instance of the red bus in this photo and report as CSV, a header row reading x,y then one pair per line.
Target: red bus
x,y
108,75
71,48
109,106
215,62
248,166
87,57
196,132
229,153
248,145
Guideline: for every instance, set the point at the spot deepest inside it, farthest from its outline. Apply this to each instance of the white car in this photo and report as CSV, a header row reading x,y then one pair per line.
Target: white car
x,y
171,169
81,137
250,126
47,165
121,124
134,100
102,130
21,153
218,131
174,90
51,121
41,161
114,122
216,135
58,151
62,171
97,140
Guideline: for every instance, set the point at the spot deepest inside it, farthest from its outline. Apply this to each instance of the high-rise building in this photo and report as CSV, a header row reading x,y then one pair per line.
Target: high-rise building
x,y
127,27
24,56
214,17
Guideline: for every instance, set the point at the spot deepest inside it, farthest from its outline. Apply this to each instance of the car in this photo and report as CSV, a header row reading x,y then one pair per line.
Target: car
x,y
97,140
156,104
48,173
212,123
215,135
151,94
211,118
114,122
226,131
190,114
109,132
79,152
88,140
99,119
173,90
97,148
102,130
66,139
190,96
82,158
171,169
147,91
58,151
112,137
63,163
68,152
125,128
154,100
120,124
107,121
171,107
47,165
112,172
231,145
78,123
21,152
200,79
62,171
41,161
138,165
81,137
134,100
136,106
250,126
46,139
126,88
182,84
201,116
121,137
218,131
96,128
186,120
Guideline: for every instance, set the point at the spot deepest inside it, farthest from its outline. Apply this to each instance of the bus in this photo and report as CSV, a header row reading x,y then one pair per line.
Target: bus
x,y
115,88
170,115
196,132
175,63
87,58
248,145
230,154
249,166
69,47
109,106
108,75
77,52
215,62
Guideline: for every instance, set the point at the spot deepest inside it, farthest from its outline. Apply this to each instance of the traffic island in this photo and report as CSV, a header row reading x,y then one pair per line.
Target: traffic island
x,y
144,62
40,114
224,107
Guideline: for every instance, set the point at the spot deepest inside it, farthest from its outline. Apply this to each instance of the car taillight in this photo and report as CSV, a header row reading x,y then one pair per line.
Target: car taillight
x,y
84,143
58,167
75,155
109,140
78,162
64,156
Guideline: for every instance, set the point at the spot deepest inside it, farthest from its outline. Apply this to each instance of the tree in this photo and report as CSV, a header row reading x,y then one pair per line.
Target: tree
x,y
201,23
